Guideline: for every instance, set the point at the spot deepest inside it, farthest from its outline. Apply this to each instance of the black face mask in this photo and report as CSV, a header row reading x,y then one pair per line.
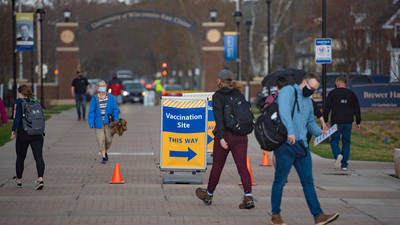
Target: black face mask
x,y
307,92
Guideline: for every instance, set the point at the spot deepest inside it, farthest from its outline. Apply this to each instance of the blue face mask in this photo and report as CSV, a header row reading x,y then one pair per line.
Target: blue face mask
x,y
102,89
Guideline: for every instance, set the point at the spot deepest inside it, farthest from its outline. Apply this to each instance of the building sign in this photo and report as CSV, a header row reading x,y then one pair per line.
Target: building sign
x,y
323,50
378,95
183,133
24,28
230,46
124,16
210,116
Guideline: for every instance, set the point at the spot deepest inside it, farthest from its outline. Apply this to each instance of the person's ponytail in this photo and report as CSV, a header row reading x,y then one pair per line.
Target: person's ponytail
x,y
26,91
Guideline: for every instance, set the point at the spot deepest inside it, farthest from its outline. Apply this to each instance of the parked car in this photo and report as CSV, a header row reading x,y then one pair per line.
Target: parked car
x,y
172,90
133,92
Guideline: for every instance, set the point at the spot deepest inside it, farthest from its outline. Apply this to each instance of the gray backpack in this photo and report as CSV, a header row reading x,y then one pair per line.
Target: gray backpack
x,y
32,117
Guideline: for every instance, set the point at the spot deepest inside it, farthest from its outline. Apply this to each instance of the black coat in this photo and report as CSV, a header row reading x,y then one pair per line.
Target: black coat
x,y
218,103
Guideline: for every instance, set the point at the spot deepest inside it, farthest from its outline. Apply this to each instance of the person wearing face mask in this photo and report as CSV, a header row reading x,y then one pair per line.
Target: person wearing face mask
x,y
295,151
102,111
79,89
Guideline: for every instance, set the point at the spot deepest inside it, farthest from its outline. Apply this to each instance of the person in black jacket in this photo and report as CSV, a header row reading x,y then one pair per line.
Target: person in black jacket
x,y
343,105
24,140
225,141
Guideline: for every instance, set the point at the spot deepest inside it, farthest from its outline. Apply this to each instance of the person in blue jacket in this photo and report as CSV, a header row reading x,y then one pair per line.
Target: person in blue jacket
x,y
298,119
102,111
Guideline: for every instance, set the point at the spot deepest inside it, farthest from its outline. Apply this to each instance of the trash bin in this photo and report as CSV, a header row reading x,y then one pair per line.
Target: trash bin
x,y
396,159
149,98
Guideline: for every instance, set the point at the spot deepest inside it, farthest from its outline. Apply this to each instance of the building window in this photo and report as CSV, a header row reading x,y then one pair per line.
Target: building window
x,y
396,29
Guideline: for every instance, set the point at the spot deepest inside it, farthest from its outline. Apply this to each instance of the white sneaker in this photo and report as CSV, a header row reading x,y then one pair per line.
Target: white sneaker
x,y
338,161
344,168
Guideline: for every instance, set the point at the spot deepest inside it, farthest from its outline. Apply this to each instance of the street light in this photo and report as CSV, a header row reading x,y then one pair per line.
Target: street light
x,y
323,65
269,34
238,17
213,14
67,15
40,13
248,25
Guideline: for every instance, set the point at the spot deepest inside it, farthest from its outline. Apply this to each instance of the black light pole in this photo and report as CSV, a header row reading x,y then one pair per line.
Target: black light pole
x,y
41,13
14,50
248,24
238,16
323,65
269,34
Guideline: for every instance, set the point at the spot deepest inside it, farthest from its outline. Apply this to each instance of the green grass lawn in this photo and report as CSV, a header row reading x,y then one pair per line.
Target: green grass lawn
x,y
361,148
5,130
368,145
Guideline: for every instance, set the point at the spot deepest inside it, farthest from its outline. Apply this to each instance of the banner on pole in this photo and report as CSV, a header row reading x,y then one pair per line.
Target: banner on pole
x,y
24,28
230,46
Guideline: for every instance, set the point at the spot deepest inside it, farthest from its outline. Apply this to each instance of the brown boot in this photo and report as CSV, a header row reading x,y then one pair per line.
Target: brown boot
x,y
276,219
326,218
247,203
202,194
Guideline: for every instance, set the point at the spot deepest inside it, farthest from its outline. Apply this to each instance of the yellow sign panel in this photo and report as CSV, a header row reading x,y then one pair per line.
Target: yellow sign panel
x,y
210,145
183,150
183,133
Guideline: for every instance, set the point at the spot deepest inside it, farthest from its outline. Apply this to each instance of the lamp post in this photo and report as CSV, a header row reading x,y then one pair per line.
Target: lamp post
x,y
248,24
238,16
67,15
213,14
14,50
323,65
269,34
40,13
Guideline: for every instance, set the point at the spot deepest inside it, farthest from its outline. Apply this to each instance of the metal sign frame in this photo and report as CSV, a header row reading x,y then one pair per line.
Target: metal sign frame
x,y
207,95
327,42
163,168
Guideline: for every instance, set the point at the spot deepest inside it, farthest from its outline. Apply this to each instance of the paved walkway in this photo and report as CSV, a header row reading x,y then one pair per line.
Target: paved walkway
x,y
77,189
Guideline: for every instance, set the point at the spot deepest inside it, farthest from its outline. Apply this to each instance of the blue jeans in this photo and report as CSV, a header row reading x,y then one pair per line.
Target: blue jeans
x,y
285,158
80,100
344,130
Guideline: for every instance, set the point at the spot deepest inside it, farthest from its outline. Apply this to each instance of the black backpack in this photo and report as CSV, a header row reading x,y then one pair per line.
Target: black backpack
x,y
238,116
269,129
33,121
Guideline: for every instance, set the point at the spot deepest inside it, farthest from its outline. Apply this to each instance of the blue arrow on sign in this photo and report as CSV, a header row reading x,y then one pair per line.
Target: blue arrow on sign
x,y
209,139
189,154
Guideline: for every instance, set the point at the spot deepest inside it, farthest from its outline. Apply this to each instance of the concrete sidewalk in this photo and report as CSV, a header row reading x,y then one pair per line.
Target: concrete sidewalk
x,y
77,189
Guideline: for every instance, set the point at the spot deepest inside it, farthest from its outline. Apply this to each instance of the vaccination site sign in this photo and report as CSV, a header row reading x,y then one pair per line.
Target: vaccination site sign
x,y
210,116
183,133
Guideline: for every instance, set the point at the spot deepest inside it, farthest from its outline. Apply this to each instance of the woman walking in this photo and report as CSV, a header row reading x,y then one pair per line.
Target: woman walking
x,y
24,140
103,110
226,141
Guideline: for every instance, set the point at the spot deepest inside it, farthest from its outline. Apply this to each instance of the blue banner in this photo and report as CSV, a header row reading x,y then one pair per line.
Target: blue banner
x,y
230,45
378,95
184,120
210,111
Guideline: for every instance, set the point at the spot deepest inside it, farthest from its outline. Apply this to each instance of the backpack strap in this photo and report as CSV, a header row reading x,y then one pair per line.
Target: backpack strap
x,y
295,102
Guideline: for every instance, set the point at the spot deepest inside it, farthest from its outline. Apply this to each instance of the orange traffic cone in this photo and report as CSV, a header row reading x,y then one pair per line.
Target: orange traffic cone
x,y
265,160
251,173
117,179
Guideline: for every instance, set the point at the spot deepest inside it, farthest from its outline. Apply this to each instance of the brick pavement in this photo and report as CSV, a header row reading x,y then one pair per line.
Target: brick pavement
x,y
77,189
